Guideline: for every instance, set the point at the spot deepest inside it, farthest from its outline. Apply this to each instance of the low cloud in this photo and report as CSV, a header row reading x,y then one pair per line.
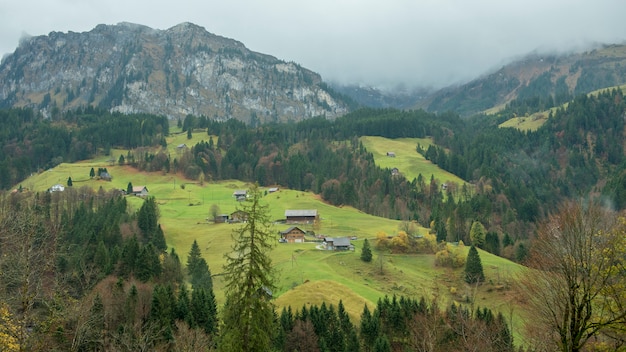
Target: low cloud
x,y
412,43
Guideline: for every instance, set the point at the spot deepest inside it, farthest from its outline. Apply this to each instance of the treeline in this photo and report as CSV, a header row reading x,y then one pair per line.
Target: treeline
x,y
81,271
396,324
31,142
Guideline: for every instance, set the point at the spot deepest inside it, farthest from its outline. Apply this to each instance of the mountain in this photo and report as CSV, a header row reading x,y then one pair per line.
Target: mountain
x,y
556,77
377,98
183,70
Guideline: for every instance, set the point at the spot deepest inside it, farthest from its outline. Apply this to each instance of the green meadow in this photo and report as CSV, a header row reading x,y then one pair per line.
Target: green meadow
x,y
408,161
536,120
305,274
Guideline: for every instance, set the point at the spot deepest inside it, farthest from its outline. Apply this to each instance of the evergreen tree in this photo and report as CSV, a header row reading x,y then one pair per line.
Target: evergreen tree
x,y
148,264
366,252
370,327
204,310
189,133
129,188
121,160
248,317
147,221
69,181
382,344
492,243
92,173
473,267
198,269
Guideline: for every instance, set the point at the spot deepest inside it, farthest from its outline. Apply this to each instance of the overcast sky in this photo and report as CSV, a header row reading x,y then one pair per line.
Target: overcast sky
x,y
384,43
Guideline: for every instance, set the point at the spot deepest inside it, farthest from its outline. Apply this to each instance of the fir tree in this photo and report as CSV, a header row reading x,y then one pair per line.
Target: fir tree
x,y
198,269
366,252
92,173
473,267
129,188
69,182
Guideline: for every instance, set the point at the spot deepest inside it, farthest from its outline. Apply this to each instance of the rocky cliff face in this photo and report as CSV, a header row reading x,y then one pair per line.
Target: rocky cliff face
x,y
182,70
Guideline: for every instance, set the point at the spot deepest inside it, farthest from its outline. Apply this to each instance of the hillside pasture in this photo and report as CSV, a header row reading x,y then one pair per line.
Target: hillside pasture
x,y
306,274
536,120
408,161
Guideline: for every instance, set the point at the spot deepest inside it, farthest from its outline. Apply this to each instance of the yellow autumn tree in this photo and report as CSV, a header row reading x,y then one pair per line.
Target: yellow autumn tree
x,y
8,330
381,240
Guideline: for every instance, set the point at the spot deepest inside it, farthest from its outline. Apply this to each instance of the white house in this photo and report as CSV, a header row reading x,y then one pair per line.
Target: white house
x,y
57,188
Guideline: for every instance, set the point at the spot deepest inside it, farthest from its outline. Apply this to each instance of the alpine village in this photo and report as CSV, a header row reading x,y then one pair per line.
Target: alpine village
x,y
172,190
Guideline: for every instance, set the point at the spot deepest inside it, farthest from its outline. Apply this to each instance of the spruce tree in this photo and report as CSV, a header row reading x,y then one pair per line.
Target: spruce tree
x,y
69,182
129,188
366,252
473,267
92,173
198,269
248,319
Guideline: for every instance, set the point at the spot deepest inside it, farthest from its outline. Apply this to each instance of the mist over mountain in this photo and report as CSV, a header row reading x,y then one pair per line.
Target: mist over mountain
x,y
175,72
131,68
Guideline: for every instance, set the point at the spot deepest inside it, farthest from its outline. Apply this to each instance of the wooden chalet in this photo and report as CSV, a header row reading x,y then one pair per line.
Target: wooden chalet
x,y
238,216
140,191
293,235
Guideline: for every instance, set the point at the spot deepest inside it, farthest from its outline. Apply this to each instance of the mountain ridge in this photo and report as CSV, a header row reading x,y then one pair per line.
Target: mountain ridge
x,y
182,70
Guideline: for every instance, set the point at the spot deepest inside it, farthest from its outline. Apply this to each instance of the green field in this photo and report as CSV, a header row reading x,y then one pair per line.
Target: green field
x,y
408,161
305,274
536,120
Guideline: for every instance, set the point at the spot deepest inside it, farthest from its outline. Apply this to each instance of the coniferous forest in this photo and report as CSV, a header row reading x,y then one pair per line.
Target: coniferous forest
x,y
83,272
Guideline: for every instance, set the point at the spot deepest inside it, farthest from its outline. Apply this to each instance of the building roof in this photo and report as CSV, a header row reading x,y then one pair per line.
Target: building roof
x,y
292,213
139,189
240,192
339,241
291,229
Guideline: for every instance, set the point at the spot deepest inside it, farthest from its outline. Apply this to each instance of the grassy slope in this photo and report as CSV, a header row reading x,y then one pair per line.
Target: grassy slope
x,y
408,161
306,275
536,120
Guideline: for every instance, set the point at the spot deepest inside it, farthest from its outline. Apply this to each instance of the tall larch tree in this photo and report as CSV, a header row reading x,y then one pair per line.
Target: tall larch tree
x,y
477,234
248,319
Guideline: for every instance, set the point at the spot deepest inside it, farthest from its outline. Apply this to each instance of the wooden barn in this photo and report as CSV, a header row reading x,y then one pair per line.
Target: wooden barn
x,y
301,216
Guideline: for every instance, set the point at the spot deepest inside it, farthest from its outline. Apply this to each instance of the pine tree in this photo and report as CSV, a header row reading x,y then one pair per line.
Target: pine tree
x,y
204,310
473,267
129,188
69,182
92,173
248,317
366,252
198,269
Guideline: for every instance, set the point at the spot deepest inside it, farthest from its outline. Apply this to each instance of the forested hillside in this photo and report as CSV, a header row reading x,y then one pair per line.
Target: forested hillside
x,y
32,143
551,79
516,177
86,272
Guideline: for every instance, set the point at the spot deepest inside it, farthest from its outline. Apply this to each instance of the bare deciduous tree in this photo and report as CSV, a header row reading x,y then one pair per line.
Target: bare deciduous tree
x,y
575,287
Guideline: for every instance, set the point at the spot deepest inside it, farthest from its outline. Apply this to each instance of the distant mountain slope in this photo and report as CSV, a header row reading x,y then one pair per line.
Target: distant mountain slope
x,y
558,77
375,98
174,72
